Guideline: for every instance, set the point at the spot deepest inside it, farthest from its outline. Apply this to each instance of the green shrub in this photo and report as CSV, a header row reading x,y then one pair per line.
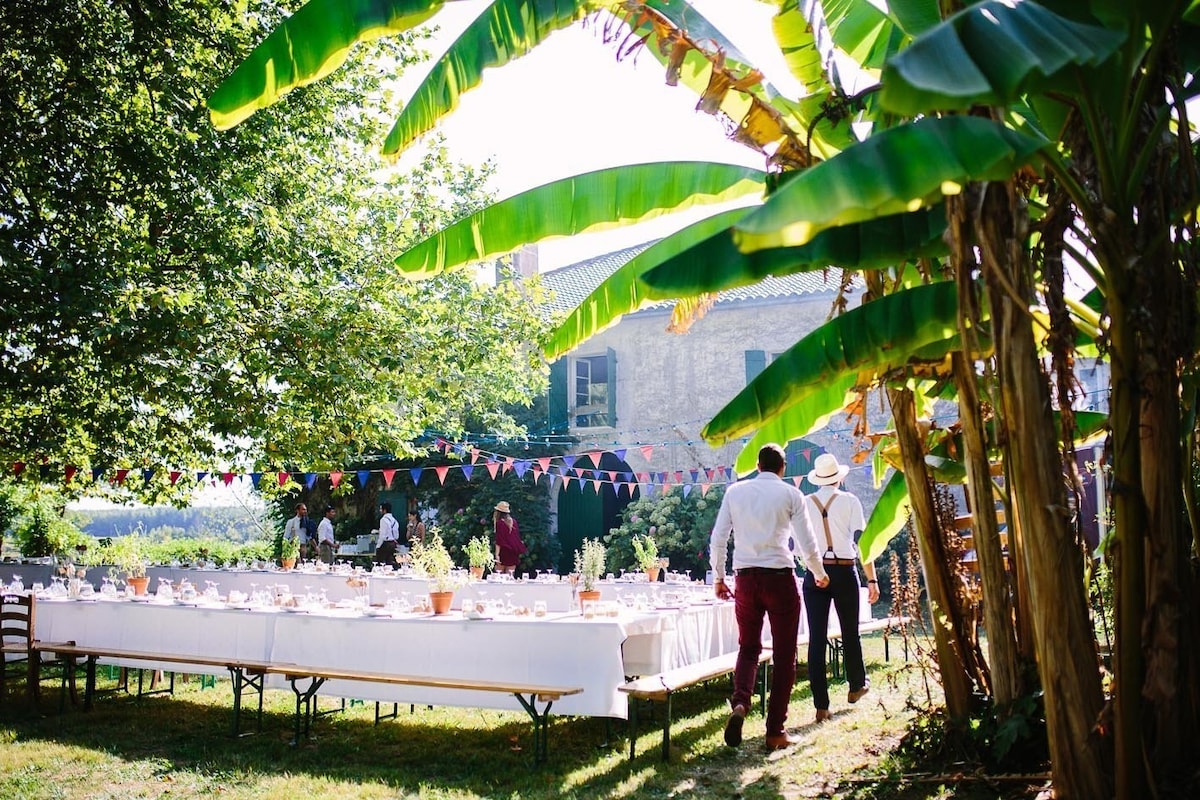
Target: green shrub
x,y
680,527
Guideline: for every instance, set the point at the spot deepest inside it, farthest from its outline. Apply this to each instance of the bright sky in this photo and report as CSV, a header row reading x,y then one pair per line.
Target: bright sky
x,y
570,107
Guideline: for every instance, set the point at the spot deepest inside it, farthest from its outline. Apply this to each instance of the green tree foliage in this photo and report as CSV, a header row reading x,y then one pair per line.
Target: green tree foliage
x,y
181,298
680,526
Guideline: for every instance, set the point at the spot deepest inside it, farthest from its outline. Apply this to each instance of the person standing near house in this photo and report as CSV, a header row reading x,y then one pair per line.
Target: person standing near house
x,y
766,518
415,531
389,535
325,540
302,530
838,516
509,546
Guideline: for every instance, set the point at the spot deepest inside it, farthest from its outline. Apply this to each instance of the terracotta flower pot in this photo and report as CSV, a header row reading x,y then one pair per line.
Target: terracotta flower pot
x,y
288,563
441,601
586,595
652,573
139,584
477,573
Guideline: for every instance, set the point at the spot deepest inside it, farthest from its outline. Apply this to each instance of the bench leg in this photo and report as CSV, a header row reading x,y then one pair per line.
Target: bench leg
x,y
381,717
541,733
241,683
633,726
304,704
666,739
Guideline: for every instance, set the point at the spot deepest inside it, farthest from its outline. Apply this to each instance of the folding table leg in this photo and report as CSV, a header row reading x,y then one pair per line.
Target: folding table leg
x,y
540,725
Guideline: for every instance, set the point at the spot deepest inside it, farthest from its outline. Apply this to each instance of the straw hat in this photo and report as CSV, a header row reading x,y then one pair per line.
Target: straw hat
x,y
827,471
502,507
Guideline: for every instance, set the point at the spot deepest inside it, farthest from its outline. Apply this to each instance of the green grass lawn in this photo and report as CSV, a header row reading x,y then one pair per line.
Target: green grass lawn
x,y
180,747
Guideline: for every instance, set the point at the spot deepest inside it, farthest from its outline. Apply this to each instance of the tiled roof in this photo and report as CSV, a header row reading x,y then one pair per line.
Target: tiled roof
x,y
570,285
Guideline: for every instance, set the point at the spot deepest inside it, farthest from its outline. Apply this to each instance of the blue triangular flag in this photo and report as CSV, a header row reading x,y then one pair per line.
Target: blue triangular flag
x,y
310,478
687,489
416,474
200,476
520,467
255,477
97,472
620,453
147,475
467,470
363,476
569,460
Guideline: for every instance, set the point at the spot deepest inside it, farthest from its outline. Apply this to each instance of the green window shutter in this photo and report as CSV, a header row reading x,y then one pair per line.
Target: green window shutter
x,y
612,388
557,398
756,362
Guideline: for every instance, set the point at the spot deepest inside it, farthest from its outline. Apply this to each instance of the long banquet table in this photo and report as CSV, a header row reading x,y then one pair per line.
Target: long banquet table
x,y
559,649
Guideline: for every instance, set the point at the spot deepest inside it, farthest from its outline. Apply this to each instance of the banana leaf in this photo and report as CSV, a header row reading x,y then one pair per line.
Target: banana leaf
x,y
887,518
716,264
862,31
990,53
506,30
875,335
915,16
594,201
306,47
898,170
813,410
623,292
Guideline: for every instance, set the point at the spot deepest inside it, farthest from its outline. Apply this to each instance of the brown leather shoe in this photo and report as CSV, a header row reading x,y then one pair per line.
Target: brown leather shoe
x,y
733,728
778,741
855,695
823,715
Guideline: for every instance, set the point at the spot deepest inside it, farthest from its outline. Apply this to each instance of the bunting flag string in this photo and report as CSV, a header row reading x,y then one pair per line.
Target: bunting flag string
x,y
566,467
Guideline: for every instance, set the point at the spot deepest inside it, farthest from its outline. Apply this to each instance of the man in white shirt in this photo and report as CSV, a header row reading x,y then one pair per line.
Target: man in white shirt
x,y
389,535
766,517
325,541
838,518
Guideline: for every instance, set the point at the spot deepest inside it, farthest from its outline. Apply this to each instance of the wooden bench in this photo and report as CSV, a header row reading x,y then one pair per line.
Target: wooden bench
x,y
836,649
662,686
249,675
528,695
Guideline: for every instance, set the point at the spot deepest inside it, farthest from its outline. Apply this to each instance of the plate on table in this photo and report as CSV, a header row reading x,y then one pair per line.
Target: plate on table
x,y
294,609
141,598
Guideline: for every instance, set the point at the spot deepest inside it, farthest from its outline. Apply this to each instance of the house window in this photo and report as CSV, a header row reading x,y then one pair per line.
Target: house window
x,y
591,392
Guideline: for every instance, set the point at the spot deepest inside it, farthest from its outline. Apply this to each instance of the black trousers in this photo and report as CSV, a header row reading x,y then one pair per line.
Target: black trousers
x,y
842,592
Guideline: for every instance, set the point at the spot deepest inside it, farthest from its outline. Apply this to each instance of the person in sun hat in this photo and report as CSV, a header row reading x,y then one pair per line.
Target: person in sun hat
x,y
509,546
837,516
768,520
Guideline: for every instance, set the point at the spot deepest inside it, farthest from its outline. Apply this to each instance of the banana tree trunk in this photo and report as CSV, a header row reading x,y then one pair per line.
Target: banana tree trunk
x,y
998,610
949,624
1050,558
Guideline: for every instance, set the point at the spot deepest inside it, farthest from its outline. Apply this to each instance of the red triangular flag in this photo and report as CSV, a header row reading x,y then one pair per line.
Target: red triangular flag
x,y
596,486
544,463
595,456
647,450
121,473
71,470
335,478
492,466
474,454
388,474
566,481
441,473
175,475
704,489
282,477
18,467
228,477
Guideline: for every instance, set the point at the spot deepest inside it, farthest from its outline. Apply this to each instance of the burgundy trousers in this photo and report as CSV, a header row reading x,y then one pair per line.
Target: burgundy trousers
x,y
771,594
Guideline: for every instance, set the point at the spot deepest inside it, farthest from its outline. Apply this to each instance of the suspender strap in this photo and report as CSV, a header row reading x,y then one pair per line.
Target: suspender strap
x,y
824,509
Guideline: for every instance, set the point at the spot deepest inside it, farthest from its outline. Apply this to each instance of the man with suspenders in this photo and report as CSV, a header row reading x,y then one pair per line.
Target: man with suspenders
x,y
838,519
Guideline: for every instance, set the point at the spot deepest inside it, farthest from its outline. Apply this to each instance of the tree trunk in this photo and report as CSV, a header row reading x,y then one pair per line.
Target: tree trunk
x,y
1050,559
998,611
948,619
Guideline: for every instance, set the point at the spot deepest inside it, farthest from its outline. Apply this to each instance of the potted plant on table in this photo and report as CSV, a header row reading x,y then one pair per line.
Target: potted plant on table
x,y
479,556
289,551
645,553
589,565
432,558
128,556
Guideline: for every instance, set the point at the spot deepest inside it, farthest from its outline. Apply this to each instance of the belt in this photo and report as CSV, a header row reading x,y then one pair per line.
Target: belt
x,y
838,562
764,571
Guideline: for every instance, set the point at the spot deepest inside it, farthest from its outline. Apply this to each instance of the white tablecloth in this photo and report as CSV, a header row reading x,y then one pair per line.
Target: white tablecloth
x,y
561,649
